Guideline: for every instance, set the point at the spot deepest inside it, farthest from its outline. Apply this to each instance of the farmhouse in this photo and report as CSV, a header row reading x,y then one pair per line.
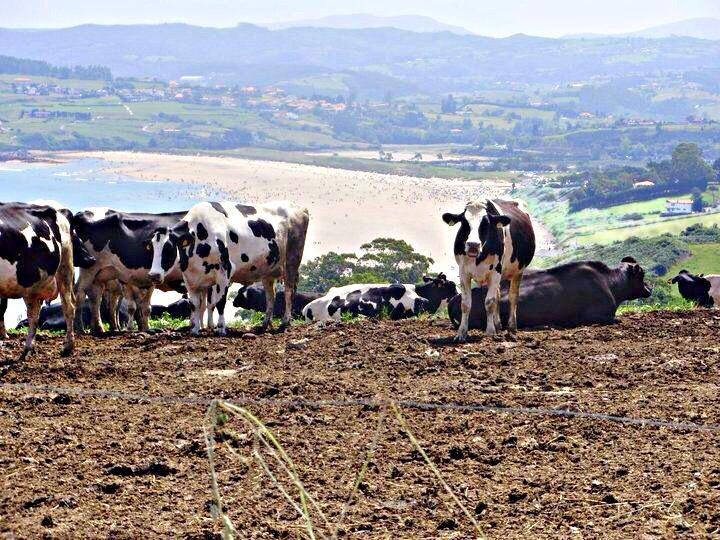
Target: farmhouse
x,y
676,207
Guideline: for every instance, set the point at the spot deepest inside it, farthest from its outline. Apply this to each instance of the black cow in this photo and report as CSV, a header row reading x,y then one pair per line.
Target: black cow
x,y
119,242
398,300
180,309
254,298
701,289
51,316
495,243
36,263
573,294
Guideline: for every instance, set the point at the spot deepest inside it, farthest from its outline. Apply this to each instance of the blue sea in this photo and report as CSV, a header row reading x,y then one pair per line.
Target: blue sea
x,y
83,183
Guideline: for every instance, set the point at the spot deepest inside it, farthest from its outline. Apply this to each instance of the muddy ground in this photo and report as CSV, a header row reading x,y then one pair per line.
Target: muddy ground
x,y
91,466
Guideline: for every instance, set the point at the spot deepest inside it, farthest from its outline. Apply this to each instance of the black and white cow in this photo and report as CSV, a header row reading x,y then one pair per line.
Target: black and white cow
x,y
565,296
180,309
36,263
254,298
701,289
397,300
222,243
496,242
119,242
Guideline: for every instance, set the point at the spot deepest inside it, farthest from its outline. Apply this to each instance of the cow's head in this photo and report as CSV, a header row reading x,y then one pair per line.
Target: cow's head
x,y
437,290
250,298
480,230
637,287
693,287
164,244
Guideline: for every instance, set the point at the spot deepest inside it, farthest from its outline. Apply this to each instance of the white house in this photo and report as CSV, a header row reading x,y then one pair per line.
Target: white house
x,y
676,207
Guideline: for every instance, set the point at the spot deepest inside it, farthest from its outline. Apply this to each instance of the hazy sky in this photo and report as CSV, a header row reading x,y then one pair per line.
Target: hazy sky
x,y
487,17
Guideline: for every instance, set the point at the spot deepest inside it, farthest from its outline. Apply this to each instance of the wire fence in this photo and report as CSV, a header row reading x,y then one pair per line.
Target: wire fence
x,y
275,463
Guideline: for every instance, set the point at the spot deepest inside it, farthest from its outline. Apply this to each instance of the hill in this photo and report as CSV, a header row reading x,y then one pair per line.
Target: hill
x,y
398,60
412,23
701,28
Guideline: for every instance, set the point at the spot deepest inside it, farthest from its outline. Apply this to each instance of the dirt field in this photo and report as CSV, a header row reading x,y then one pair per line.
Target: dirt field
x,y
73,466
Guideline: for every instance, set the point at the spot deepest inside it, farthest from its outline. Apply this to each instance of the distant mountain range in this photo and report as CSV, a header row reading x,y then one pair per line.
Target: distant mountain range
x,y
369,62
412,23
701,28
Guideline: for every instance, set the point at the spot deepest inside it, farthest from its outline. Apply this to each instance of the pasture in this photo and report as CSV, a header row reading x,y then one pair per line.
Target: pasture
x,y
128,457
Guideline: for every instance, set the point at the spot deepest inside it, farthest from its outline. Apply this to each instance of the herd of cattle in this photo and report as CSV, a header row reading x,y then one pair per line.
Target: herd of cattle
x,y
123,257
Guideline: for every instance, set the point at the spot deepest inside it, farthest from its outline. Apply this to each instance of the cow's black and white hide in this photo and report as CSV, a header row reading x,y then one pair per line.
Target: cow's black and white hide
x,y
228,242
120,245
495,243
254,298
701,289
180,309
36,263
398,301
566,296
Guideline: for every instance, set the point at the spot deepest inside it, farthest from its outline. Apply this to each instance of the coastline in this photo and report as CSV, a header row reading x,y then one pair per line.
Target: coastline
x,y
348,208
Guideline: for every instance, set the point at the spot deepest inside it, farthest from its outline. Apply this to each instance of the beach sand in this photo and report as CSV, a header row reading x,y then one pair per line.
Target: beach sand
x,y
347,208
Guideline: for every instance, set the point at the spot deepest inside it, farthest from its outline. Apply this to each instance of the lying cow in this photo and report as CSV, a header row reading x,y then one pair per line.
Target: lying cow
x,y
253,297
119,242
222,243
398,300
180,309
36,263
495,243
52,318
701,289
573,294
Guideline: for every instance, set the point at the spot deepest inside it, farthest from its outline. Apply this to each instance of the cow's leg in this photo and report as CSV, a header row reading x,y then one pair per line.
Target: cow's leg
x,y
67,300
3,308
513,296
33,314
289,296
143,307
84,282
491,302
221,299
466,305
131,304
94,294
269,286
211,300
197,299
498,322
113,295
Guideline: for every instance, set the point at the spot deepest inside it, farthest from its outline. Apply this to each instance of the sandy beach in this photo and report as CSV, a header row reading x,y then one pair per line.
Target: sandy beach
x,y
347,207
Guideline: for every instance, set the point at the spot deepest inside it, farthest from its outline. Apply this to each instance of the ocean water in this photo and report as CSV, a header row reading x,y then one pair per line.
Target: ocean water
x,y
83,183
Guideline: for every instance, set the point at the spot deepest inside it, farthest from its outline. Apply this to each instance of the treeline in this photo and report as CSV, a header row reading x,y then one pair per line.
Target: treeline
x,y
24,66
684,172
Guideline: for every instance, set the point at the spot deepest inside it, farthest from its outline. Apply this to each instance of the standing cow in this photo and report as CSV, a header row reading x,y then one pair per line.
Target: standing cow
x,y
495,242
227,242
120,244
36,264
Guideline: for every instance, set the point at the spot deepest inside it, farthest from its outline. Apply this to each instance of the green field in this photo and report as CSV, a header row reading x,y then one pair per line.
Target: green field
x,y
667,225
704,259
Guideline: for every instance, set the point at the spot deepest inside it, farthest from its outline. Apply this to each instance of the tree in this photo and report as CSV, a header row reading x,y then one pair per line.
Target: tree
x,y
687,165
697,200
327,271
448,105
417,157
394,260
716,167
713,189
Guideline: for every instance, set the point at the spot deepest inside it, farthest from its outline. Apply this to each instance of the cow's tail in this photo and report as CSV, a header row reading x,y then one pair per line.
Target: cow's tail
x,y
295,247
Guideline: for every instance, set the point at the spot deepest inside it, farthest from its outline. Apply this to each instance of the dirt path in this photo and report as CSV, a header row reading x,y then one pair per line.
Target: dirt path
x,y
73,466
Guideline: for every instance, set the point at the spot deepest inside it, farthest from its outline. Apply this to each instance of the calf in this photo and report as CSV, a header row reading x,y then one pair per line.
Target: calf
x,y
36,263
701,289
253,297
227,242
495,242
399,301
120,245
573,294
